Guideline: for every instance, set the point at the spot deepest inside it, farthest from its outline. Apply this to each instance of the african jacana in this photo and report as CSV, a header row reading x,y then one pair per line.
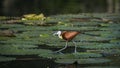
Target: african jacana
x,y
67,36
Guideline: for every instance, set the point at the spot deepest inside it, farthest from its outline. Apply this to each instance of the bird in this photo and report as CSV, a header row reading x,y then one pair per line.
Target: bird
x,y
67,36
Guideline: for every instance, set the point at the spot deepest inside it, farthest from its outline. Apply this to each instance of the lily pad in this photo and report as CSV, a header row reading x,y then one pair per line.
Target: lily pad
x,y
70,56
82,61
92,61
3,59
25,50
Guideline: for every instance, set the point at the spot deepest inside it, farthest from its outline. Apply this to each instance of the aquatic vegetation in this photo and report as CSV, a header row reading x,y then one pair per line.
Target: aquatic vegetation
x,y
101,46
4,59
71,56
18,49
82,61
3,18
100,38
34,19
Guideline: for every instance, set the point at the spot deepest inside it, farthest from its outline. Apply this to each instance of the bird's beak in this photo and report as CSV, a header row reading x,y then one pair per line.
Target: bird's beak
x,y
55,34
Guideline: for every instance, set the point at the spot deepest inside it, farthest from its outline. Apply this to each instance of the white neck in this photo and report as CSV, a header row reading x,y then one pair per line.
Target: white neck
x,y
59,34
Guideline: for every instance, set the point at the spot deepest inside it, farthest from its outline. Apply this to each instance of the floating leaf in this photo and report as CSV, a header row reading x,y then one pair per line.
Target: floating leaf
x,y
92,61
70,56
23,50
82,61
65,61
3,59
101,46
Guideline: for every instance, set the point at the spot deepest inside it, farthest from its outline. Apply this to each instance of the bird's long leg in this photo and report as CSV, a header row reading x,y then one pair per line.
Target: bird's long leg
x,y
75,51
63,48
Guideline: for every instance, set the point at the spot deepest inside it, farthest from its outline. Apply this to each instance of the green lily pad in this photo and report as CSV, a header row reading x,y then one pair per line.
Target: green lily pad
x,y
3,59
82,61
92,61
70,56
65,61
44,35
21,50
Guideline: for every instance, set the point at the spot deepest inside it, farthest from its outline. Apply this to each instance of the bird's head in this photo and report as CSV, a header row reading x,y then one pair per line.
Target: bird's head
x,y
58,33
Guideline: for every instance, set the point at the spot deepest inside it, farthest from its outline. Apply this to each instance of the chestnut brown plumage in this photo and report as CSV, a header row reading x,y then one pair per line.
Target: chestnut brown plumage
x,y
67,36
